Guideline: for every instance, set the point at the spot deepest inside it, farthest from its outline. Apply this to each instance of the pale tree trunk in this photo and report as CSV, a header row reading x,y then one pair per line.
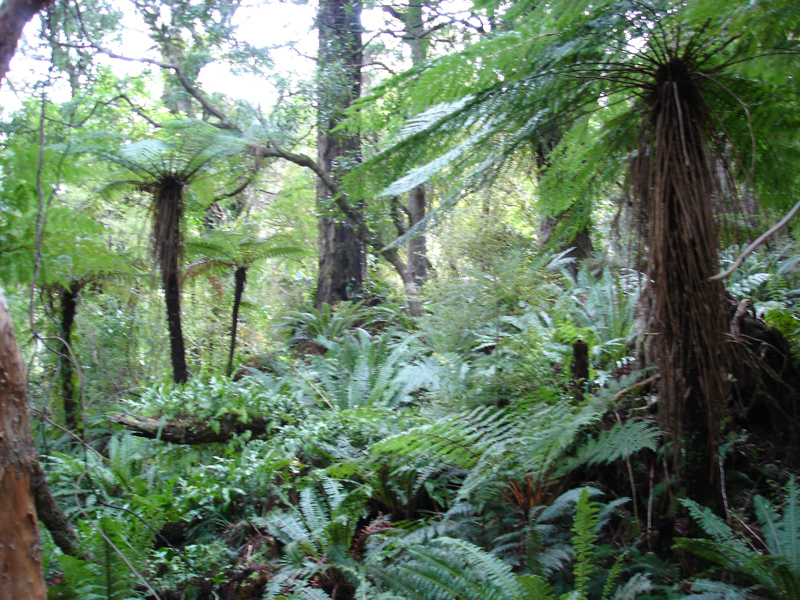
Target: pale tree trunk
x,y
342,255
416,37
14,15
21,573
417,202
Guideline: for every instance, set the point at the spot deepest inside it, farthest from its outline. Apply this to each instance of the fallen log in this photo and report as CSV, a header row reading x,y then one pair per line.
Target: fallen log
x,y
192,432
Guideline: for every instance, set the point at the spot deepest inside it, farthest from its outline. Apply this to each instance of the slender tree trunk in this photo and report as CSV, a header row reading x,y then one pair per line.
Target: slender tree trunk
x,y
14,15
241,280
20,547
342,255
417,41
69,305
172,295
580,245
167,239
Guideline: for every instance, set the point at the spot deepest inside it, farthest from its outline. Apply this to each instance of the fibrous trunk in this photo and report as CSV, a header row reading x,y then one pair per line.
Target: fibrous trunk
x,y
21,573
342,256
675,186
241,279
69,304
167,247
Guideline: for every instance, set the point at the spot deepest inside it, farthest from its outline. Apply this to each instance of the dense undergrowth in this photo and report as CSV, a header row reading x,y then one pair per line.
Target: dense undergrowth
x,y
441,458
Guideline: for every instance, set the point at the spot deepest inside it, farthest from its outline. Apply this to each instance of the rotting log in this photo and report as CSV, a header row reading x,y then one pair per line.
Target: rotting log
x,y
192,432
21,573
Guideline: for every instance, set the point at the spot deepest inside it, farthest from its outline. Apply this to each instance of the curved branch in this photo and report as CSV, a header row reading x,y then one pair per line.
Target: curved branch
x,y
774,229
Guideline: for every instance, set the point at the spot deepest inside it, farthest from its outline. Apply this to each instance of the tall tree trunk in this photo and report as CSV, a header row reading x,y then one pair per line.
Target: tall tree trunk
x,y
177,351
342,255
241,279
417,249
167,239
415,35
20,547
416,38
579,245
69,305
14,15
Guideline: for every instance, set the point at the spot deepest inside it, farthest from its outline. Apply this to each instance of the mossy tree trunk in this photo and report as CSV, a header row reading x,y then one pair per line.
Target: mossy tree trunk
x,y
342,255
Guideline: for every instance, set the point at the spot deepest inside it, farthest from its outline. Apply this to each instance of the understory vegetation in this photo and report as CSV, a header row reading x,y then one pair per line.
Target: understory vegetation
x,y
533,387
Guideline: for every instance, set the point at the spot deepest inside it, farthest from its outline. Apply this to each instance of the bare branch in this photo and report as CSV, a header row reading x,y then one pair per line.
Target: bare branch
x,y
774,229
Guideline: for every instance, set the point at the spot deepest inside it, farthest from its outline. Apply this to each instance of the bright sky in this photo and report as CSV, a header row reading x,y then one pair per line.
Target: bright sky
x,y
260,23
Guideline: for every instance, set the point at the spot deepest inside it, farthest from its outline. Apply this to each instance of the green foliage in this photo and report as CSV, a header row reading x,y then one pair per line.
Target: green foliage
x,y
600,308
213,398
326,324
586,520
775,571
319,535
449,568
365,370
491,445
221,251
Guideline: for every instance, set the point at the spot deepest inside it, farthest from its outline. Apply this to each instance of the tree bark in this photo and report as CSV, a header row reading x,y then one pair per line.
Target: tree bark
x,y
342,254
172,295
241,279
14,15
69,305
21,573
416,38
191,432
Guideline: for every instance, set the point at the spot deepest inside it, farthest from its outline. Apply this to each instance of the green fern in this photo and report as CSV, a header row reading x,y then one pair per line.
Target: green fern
x,y
491,445
318,534
365,370
584,526
453,569
776,572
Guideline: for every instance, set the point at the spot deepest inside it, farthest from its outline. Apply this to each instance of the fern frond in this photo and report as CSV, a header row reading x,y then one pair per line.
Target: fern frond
x,y
621,441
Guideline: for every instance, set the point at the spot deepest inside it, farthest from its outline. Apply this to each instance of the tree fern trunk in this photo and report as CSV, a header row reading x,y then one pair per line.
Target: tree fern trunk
x,y
241,279
675,185
69,305
168,250
172,295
